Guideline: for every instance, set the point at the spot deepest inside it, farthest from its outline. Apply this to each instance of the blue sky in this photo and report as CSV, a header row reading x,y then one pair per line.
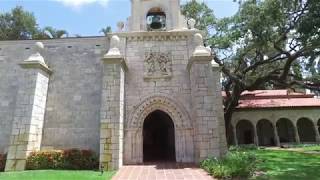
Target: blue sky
x,y
87,17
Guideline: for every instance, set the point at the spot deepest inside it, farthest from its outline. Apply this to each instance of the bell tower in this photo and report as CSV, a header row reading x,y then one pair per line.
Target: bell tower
x,y
158,65
155,15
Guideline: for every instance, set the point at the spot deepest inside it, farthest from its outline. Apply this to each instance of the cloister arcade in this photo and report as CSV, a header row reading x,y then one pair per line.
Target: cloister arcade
x,y
265,127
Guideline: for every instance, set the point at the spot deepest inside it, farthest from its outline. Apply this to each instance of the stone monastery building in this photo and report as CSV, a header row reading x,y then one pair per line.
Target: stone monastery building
x,y
148,92
143,94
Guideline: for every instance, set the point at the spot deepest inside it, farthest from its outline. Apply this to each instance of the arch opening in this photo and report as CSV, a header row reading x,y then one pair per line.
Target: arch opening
x,y
245,133
158,137
156,19
285,130
265,133
306,130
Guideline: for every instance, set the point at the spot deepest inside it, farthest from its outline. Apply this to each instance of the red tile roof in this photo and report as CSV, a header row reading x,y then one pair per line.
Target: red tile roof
x,y
276,99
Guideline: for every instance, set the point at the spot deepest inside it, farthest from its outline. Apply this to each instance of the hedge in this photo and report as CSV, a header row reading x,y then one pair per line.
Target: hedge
x,y
71,159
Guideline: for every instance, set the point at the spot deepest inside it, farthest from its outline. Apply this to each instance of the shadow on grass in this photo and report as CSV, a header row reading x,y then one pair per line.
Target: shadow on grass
x,y
284,165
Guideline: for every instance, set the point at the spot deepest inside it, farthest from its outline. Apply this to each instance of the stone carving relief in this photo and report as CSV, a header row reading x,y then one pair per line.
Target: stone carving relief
x,y
157,65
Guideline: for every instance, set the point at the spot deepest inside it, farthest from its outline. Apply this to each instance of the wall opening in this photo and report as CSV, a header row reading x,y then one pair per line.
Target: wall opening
x,y
265,133
245,133
285,131
306,130
156,19
158,137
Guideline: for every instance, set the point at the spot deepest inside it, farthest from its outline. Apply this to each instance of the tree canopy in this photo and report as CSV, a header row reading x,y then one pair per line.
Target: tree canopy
x,y
20,25
106,30
267,44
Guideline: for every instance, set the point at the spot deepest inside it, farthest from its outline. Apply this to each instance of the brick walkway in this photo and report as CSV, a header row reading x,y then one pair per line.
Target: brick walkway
x,y
161,171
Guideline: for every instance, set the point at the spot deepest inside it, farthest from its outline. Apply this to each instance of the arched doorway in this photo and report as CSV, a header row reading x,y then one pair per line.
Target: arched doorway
x,y
306,130
265,133
245,133
285,131
158,137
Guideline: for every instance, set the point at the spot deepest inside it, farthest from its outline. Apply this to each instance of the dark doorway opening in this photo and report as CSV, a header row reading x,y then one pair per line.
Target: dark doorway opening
x,y
245,132
158,137
265,133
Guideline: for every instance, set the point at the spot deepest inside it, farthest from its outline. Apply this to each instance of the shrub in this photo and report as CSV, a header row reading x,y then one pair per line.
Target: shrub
x,y
45,160
3,158
234,165
80,159
72,159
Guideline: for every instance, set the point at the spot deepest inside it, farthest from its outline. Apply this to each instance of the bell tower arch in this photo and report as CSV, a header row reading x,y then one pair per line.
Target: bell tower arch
x,y
166,14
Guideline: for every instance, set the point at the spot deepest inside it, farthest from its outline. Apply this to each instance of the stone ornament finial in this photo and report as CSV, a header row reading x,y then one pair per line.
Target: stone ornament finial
x,y
115,41
36,60
200,50
114,55
114,46
192,23
39,47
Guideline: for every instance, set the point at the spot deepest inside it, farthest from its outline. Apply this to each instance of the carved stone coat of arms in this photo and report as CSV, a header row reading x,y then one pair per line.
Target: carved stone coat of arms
x,y
157,65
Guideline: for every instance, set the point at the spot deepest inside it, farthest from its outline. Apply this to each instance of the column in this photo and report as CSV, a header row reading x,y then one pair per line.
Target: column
x,y
276,136
112,108
207,103
234,129
296,133
29,111
317,132
255,135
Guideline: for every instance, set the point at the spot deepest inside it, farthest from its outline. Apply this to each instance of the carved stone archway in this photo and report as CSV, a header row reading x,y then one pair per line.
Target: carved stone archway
x,y
133,142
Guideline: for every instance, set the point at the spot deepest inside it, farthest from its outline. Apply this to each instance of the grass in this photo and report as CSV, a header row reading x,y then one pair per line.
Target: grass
x,y
56,175
288,165
309,148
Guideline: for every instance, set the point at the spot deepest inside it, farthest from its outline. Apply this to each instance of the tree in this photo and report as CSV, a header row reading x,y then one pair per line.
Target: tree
x,y
201,13
50,33
267,44
106,30
20,25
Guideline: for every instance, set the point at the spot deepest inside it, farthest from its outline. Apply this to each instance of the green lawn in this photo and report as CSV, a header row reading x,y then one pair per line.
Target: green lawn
x,y
308,148
56,175
289,165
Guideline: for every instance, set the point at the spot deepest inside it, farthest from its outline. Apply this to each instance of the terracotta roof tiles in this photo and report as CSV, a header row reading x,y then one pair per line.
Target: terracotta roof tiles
x,y
276,99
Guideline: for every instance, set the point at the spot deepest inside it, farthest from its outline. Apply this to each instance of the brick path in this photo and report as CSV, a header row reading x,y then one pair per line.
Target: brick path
x,y
161,171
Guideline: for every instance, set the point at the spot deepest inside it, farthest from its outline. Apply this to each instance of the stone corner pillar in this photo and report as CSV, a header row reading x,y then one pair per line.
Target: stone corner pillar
x,y
207,108
29,112
112,108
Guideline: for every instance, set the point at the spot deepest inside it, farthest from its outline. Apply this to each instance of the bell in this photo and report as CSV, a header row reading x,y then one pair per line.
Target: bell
x,y
156,23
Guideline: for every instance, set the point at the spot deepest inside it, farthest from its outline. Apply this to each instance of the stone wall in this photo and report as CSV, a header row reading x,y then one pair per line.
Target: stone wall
x,y
10,73
177,86
147,89
72,116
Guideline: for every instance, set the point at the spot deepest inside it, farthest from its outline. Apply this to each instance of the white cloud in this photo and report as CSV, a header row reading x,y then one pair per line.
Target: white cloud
x,y
77,4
